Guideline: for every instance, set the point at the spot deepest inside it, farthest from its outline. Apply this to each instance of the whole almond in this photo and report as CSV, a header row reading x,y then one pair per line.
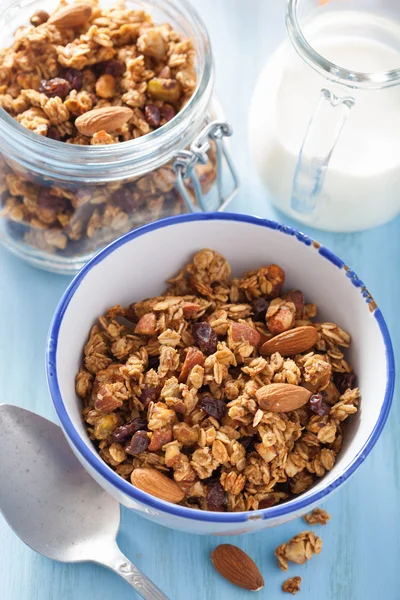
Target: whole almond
x,y
237,567
291,342
282,397
106,119
155,483
73,15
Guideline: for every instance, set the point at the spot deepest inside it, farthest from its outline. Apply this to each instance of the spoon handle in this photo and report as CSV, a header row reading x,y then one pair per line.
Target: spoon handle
x,y
120,564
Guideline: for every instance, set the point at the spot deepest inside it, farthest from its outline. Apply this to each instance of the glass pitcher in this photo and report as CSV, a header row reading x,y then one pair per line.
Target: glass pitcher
x,y
325,116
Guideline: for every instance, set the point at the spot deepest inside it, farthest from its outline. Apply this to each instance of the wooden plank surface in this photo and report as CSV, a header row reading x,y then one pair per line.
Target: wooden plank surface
x,y
362,542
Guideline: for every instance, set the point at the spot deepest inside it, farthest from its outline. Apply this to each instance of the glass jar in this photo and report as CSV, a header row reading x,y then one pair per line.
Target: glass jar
x,y
60,203
325,118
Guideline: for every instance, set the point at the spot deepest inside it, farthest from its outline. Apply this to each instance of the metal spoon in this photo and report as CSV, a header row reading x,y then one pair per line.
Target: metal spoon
x,y
53,505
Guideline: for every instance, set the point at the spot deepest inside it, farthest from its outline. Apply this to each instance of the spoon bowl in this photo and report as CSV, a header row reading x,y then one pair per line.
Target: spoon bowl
x,y
51,502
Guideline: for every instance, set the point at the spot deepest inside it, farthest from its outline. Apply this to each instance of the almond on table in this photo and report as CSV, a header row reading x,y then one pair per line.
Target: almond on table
x,y
179,395
237,567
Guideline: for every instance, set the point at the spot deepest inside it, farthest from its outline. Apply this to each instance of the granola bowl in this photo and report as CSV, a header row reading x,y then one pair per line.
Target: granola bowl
x,y
210,409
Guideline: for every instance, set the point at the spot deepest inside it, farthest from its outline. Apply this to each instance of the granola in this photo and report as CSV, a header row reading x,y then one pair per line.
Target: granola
x,y
298,550
292,585
318,516
173,383
51,76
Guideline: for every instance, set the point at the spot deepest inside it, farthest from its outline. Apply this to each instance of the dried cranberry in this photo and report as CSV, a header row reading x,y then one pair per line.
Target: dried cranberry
x,y
39,17
139,443
48,200
124,431
124,199
318,406
168,112
213,407
215,497
53,134
344,381
149,394
205,337
74,78
55,87
259,308
109,67
247,442
152,115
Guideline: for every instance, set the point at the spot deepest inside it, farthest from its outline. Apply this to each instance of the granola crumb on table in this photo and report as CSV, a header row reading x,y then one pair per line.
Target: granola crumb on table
x,y
52,77
171,383
292,585
298,550
318,516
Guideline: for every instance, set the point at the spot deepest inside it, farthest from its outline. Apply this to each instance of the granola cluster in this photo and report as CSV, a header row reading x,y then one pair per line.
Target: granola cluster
x,y
299,549
53,74
173,383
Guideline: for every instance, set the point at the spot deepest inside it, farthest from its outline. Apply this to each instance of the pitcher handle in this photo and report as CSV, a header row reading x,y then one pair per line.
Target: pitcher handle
x,y
330,116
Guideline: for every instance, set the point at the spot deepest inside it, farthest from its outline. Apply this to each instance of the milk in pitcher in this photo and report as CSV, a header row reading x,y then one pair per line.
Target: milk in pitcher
x,y
362,181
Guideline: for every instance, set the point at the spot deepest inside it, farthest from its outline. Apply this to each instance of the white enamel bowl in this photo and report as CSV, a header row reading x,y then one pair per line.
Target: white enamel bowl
x,y
137,265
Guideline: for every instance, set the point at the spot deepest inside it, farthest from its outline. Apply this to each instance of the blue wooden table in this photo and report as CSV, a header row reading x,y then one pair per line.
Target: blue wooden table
x,y
361,549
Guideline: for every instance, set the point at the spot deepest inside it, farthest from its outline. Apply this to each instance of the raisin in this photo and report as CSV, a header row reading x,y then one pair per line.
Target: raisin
x,y
54,134
344,381
149,394
124,431
17,229
259,308
152,115
297,297
205,337
130,313
154,362
48,200
171,201
168,112
139,443
213,407
215,497
74,78
248,442
109,67
39,18
267,502
55,87
124,199
318,406
283,486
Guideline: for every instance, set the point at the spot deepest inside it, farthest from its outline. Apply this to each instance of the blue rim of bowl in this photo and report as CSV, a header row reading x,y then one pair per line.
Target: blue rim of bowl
x,y
94,460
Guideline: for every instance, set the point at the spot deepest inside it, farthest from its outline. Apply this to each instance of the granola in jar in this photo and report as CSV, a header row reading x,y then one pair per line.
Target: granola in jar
x,y
188,385
95,77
